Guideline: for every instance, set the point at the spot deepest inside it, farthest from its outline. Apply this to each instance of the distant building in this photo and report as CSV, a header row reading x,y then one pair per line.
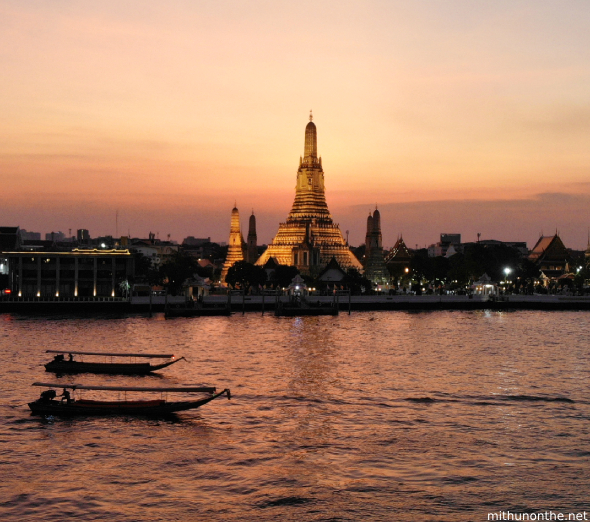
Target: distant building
x,y
149,251
451,239
55,236
196,287
450,244
104,242
157,251
195,241
36,245
30,236
10,238
446,240
83,236
518,245
206,263
551,256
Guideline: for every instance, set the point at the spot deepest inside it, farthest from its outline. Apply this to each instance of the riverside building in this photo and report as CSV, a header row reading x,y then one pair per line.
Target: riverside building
x,y
74,274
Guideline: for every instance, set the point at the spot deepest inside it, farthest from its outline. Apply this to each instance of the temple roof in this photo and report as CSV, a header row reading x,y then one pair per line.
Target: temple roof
x,y
399,251
271,264
549,247
332,272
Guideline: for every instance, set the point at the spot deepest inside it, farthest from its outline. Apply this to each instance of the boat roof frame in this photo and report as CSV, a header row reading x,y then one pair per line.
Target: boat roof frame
x,y
74,386
109,354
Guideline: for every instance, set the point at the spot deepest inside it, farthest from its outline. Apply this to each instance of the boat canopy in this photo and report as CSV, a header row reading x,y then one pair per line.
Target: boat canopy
x,y
73,386
151,355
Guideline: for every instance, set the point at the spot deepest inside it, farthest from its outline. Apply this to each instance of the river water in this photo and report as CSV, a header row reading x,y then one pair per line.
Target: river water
x,y
373,416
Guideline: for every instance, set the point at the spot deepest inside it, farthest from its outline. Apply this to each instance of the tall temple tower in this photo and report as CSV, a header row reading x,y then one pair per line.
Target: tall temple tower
x,y
369,235
235,251
375,269
309,238
252,248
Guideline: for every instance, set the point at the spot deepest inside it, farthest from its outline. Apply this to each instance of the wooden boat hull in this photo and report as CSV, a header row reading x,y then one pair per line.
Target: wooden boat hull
x,y
152,408
63,367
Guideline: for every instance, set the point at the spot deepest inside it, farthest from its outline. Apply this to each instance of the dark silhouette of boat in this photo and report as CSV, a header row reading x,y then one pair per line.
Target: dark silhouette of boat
x,y
62,365
48,404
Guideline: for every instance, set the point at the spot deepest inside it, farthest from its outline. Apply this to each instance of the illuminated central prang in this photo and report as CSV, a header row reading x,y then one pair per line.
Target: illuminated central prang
x,y
309,238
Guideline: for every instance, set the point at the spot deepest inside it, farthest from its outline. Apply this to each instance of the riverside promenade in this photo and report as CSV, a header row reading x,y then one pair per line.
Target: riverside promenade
x,y
422,302
256,303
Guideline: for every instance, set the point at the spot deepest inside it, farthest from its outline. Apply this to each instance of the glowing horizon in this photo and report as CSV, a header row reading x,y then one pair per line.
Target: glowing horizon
x,y
452,118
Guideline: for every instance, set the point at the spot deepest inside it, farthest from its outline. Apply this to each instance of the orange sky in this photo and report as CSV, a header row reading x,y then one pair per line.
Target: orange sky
x,y
453,116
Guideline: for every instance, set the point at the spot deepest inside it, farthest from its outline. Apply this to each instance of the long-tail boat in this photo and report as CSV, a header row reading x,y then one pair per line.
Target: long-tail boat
x,y
50,404
60,364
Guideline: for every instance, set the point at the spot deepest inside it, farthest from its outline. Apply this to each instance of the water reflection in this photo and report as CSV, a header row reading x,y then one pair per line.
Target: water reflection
x,y
406,416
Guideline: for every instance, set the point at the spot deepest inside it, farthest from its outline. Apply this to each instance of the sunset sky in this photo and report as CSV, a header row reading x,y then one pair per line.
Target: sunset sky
x,y
452,116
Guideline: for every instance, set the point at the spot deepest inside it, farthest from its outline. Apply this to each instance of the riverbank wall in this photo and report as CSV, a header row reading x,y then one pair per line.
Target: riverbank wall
x,y
243,304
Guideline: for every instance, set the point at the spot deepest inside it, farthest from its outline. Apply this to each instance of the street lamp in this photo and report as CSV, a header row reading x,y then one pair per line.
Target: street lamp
x,y
506,272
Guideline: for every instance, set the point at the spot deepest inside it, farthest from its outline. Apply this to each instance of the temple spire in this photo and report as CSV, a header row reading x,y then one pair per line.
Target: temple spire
x,y
252,249
235,250
309,238
311,140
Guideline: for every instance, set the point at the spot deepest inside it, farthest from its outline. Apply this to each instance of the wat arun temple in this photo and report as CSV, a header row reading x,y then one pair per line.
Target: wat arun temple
x,y
309,238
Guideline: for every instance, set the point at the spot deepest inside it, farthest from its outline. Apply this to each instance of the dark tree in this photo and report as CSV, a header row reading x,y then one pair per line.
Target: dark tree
x,y
142,265
283,275
581,278
245,275
528,272
422,266
462,269
180,267
357,283
492,259
359,252
144,272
